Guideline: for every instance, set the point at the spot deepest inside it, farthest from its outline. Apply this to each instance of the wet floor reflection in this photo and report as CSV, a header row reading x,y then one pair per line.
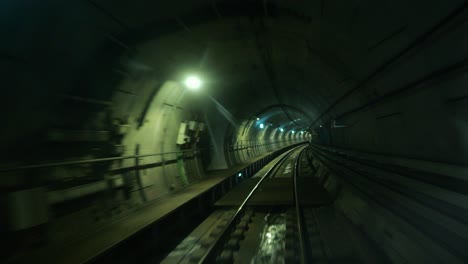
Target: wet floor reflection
x,y
272,244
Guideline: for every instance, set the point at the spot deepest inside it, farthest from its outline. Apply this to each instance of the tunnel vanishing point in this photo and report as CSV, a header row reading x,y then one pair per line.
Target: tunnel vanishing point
x,y
127,122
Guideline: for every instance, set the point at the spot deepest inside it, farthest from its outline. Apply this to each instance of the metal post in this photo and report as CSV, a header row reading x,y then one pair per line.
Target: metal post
x,y
137,173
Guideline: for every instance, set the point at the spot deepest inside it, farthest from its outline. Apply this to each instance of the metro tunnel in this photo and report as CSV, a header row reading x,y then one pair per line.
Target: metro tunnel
x,y
147,131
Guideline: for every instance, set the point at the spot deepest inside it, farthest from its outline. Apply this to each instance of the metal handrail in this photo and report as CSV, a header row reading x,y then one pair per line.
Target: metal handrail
x,y
256,146
207,255
76,162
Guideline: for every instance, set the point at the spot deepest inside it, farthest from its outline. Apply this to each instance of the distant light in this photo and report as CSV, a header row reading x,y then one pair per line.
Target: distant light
x,y
262,126
258,118
193,82
239,175
281,129
320,125
292,131
302,132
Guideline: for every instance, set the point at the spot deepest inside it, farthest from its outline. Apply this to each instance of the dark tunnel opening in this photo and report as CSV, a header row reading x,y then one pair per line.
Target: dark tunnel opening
x,y
126,122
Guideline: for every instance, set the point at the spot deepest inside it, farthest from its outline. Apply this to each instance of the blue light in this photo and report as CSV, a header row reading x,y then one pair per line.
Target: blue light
x,y
262,126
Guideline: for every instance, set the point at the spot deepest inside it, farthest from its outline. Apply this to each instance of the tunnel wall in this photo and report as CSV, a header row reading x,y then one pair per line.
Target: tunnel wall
x,y
417,106
75,94
48,60
435,131
64,108
90,196
249,140
80,94
159,133
398,204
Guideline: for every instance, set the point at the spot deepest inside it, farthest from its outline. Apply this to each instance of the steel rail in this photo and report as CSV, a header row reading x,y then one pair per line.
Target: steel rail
x,y
299,214
77,162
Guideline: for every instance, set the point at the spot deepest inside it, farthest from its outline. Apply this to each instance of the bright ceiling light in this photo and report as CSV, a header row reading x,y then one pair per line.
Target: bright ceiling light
x,y
262,126
193,82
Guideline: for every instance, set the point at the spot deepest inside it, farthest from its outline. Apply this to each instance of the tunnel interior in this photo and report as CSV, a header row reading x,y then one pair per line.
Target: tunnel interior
x,y
99,121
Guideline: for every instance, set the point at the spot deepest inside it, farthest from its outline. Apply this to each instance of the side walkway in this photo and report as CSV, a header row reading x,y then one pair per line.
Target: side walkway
x,y
83,250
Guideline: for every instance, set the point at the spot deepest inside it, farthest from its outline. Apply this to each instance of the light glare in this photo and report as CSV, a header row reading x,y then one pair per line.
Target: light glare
x,y
261,126
193,82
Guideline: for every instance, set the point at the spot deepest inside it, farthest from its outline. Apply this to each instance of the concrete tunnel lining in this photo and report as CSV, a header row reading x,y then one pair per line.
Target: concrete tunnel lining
x,y
98,79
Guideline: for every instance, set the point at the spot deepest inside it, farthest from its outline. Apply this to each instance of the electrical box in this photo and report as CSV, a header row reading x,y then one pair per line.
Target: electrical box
x,y
192,125
182,138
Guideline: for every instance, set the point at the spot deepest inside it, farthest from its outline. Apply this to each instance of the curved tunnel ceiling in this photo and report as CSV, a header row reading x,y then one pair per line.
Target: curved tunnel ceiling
x,y
93,94
315,59
259,54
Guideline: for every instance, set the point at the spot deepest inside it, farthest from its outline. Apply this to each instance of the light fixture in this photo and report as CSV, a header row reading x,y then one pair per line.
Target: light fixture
x,y
193,82
258,119
239,175
262,126
292,131
281,129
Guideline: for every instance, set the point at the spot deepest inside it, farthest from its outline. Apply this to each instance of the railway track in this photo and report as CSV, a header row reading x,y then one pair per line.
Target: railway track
x,y
318,204
266,219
